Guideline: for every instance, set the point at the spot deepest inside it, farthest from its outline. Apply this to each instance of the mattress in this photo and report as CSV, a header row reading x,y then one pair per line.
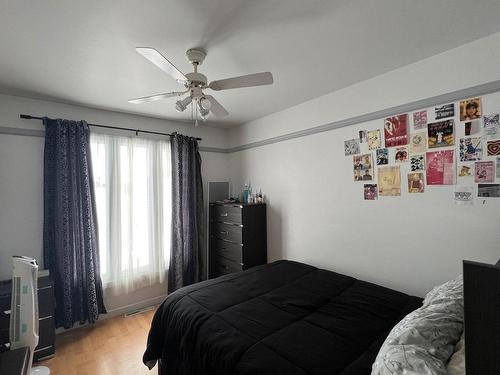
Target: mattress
x,y
280,318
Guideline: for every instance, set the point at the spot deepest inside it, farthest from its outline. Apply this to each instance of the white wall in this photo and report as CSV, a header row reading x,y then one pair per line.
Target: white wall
x,y
316,213
21,177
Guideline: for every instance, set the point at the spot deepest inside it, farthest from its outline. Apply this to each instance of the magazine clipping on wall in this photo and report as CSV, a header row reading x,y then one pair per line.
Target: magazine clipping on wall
x,y
362,136
373,137
440,167
416,182
382,156
370,192
447,110
420,120
363,167
484,171
401,154
463,195
493,148
464,170
441,134
470,109
470,149
418,142
396,130
417,162
389,181
351,147
472,127
488,190
491,125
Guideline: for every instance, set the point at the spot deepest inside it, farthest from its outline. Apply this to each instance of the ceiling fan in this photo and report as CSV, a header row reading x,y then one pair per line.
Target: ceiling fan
x,y
196,82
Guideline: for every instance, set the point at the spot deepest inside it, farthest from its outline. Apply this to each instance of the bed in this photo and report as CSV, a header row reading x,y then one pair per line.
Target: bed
x,y
280,318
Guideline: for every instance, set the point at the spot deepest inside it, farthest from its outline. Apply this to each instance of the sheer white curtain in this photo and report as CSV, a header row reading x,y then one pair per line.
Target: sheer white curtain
x,y
133,188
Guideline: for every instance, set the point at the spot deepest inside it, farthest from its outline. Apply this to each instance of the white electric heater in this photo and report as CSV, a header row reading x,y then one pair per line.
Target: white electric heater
x,y
24,309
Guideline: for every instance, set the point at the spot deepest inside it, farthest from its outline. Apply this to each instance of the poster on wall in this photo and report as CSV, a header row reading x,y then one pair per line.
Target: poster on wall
x,y
472,127
373,137
382,156
470,149
389,181
447,110
420,120
463,195
491,124
418,142
498,167
362,136
351,147
440,167
493,148
488,190
484,171
440,134
370,192
396,130
416,182
464,170
470,109
363,167
401,154
417,162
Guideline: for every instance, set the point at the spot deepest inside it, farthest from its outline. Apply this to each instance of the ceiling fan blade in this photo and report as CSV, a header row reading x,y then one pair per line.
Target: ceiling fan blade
x,y
249,80
216,108
161,62
153,98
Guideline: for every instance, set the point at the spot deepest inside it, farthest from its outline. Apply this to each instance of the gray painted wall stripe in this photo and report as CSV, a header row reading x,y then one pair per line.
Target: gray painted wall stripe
x,y
19,131
483,89
41,133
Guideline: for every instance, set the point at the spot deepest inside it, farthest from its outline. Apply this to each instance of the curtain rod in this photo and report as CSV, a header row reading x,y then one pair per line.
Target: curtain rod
x,y
137,131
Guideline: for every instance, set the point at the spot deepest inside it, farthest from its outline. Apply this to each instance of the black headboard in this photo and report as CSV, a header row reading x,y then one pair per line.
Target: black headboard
x,y
482,318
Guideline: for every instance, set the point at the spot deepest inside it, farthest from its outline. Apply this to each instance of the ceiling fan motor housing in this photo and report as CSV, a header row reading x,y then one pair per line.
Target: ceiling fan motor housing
x,y
196,79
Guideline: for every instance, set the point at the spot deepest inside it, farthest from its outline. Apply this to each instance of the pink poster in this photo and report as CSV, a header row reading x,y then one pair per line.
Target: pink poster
x,y
396,131
441,167
485,171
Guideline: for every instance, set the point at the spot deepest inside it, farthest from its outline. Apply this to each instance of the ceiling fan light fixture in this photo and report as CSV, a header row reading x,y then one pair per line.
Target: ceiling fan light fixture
x,y
181,105
204,112
205,104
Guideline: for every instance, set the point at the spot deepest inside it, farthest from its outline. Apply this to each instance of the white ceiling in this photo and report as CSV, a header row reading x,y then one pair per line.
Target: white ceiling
x,y
83,51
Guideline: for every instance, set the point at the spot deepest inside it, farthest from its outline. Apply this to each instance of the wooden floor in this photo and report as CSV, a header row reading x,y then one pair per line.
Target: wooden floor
x,y
112,346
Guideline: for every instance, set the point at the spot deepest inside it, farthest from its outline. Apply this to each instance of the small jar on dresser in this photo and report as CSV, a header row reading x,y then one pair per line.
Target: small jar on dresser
x,y
237,237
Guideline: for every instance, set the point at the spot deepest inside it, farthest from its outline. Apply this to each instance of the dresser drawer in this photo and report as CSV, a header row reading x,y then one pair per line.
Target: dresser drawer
x,y
228,250
227,214
4,335
46,332
227,232
45,301
225,266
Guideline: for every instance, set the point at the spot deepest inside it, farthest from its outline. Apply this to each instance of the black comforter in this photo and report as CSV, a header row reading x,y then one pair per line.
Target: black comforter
x,y
281,318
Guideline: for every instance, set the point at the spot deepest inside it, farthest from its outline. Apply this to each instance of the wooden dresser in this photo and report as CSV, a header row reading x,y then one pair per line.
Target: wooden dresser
x,y
46,323
238,237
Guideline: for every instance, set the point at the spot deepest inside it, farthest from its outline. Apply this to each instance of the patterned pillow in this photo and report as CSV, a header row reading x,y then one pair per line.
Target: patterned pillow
x,y
424,340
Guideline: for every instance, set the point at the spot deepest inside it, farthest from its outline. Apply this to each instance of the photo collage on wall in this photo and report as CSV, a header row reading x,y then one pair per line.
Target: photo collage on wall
x,y
451,144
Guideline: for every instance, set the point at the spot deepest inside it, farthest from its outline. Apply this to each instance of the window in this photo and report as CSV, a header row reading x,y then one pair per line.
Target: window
x,y
132,179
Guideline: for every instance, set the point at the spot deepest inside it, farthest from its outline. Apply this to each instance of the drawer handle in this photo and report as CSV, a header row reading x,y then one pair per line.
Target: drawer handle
x,y
224,232
224,214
